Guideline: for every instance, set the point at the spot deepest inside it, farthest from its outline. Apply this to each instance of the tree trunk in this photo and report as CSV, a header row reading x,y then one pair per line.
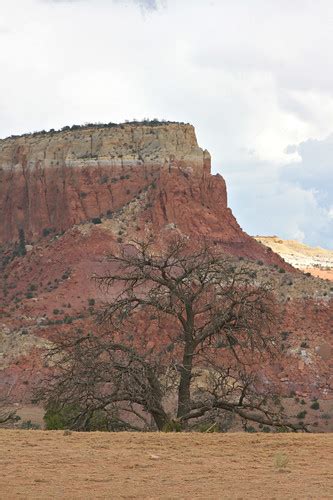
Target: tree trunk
x,y
160,419
184,389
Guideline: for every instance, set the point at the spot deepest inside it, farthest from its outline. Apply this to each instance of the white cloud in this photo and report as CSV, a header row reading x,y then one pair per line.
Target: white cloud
x,y
253,77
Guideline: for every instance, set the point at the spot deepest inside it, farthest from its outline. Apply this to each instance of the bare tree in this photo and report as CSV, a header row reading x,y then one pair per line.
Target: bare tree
x,y
210,320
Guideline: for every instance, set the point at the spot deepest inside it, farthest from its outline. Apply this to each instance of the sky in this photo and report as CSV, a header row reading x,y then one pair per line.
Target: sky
x,y
254,77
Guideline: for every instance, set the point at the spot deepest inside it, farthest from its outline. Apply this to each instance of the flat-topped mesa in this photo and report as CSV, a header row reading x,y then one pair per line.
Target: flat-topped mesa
x,y
50,181
165,145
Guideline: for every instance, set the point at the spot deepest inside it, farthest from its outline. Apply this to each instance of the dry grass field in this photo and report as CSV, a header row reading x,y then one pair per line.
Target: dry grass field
x,y
55,464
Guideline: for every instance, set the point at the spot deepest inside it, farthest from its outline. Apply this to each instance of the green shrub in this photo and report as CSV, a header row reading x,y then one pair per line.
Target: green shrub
x,y
301,414
315,405
28,425
326,416
47,231
172,426
250,429
20,250
266,429
60,417
285,335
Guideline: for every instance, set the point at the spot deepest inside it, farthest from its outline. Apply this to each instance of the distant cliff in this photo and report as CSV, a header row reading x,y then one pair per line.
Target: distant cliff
x,y
318,261
50,181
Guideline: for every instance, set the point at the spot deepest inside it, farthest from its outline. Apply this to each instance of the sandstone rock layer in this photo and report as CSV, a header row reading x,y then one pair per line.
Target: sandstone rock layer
x,y
55,180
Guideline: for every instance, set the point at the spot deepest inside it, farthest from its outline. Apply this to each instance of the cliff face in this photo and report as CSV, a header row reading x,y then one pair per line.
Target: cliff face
x,y
142,181
55,180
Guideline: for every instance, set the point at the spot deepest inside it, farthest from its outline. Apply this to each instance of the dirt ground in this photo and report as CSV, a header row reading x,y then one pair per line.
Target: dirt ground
x,y
53,464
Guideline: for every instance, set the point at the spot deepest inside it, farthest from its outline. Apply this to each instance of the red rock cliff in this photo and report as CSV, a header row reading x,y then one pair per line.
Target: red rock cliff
x,y
55,180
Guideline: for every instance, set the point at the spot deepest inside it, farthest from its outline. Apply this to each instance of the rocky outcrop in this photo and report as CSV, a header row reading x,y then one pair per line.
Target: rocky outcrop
x,y
318,261
51,181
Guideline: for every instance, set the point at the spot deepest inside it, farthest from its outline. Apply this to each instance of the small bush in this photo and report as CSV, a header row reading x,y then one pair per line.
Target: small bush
x,y
315,405
266,429
104,179
28,425
281,461
57,417
64,416
172,426
301,414
250,429
47,231
66,275
96,220
285,335
91,302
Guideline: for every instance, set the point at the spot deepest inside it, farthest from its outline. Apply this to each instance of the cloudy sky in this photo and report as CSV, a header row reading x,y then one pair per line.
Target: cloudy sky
x,y
255,77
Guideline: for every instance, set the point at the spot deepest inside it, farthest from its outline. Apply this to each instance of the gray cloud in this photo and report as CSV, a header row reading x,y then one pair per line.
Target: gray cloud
x,y
148,4
315,170
145,4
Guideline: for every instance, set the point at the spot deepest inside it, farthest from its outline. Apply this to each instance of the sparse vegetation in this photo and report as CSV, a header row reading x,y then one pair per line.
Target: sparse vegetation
x,y
145,122
281,461
315,405
20,249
